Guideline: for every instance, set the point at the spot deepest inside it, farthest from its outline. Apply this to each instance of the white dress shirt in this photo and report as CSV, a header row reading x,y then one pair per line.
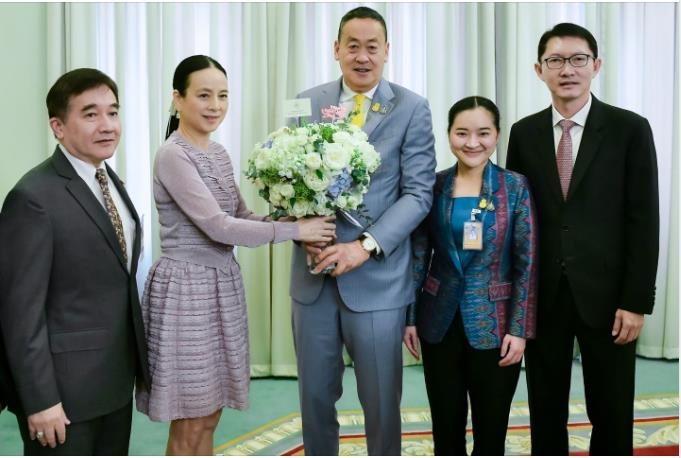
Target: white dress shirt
x,y
348,102
87,171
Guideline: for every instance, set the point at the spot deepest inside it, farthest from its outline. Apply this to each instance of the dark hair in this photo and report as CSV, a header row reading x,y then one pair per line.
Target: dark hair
x,y
567,29
362,12
181,80
470,103
72,84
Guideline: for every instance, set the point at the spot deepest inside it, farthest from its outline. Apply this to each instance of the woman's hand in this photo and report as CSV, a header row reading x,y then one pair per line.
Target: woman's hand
x,y
411,340
512,349
317,229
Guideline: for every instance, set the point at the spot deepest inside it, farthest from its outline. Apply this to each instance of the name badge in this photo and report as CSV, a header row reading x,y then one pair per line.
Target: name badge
x,y
472,235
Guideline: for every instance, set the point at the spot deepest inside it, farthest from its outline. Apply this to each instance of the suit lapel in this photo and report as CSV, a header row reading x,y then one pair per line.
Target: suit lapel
x,y
89,203
546,154
591,140
446,206
381,105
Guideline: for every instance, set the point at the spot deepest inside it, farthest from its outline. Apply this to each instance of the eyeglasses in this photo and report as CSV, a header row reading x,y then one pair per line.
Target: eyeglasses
x,y
577,60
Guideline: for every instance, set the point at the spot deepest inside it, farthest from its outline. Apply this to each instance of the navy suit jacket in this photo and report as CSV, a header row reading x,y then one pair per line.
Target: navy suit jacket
x,y
605,236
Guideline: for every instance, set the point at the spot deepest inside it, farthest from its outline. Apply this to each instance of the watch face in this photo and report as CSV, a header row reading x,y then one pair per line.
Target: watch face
x,y
368,244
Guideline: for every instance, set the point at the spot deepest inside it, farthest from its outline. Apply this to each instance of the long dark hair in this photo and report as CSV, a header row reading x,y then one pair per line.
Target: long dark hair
x,y
181,81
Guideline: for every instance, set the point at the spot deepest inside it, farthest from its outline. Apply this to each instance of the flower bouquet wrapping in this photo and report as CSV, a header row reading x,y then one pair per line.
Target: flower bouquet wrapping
x,y
316,169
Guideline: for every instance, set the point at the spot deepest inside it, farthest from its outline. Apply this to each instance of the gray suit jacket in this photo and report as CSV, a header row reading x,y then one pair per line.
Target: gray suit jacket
x,y
399,197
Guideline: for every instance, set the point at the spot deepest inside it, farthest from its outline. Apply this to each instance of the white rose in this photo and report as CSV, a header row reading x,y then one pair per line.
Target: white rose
x,y
283,189
357,133
315,183
342,201
370,156
353,202
319,207
342,137
336,156
262,159
301,208
259,184
321,210
313,161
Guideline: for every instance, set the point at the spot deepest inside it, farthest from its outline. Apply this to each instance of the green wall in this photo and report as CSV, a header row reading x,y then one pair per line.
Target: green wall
x,y
24,140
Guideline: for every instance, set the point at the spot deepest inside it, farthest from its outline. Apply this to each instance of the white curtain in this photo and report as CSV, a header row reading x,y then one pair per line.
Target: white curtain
x,y
444,51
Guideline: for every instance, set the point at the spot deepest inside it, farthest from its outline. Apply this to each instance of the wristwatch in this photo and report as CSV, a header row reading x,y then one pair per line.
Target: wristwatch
x,y
369,244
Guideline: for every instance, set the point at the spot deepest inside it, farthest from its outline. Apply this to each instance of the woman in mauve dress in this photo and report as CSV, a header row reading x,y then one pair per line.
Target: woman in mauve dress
x,y
193,303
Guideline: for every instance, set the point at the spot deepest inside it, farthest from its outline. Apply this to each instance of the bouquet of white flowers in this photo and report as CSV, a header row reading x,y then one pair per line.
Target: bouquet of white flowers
x,y
315,169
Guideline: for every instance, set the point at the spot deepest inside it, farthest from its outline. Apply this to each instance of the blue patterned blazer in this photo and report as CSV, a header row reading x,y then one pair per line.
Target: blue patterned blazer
x,y
495,290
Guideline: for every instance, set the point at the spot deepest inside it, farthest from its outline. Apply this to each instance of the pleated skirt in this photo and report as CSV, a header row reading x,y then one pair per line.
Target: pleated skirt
x,y
197,338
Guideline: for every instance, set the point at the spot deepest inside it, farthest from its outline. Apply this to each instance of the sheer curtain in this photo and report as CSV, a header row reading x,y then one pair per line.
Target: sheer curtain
x,y
444,51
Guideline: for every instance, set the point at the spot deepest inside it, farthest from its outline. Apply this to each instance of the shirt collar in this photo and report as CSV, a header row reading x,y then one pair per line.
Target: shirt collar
x,y
579,117
84,169
347,94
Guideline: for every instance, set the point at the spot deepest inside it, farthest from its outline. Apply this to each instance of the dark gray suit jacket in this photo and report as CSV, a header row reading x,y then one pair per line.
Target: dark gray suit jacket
x,y
69,309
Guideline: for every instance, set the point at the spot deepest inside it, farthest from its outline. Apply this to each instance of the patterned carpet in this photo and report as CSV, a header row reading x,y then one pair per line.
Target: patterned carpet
x,y
656,432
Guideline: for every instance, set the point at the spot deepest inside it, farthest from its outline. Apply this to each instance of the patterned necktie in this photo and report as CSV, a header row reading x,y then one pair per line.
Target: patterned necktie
x,y
564,156
112,211
358,110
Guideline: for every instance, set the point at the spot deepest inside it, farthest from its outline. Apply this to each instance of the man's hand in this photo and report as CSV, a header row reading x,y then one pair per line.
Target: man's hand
x,y
312,250
512,349
49,426
411,341
347,256
627,326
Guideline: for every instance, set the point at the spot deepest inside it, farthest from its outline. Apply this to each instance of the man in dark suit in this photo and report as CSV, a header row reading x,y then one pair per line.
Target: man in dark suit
x,y
69,308
594,181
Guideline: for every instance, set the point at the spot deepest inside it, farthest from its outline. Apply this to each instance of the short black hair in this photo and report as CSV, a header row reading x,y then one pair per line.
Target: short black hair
x,y
469,103
567,29
363,12
72,84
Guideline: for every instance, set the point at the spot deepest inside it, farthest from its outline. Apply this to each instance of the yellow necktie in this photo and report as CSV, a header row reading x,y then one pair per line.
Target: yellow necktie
x,y
357,117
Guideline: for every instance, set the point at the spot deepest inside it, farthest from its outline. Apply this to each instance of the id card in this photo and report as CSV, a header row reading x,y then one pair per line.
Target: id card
x,y
472,235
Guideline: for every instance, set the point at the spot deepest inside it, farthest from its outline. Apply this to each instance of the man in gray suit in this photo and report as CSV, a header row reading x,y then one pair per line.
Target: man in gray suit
x,y
362,303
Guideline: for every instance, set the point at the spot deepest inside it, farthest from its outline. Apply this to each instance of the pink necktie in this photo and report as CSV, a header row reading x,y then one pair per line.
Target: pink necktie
x,y
564,156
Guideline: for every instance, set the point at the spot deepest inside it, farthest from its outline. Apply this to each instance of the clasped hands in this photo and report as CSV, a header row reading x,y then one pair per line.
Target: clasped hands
x,y
49,426
347,256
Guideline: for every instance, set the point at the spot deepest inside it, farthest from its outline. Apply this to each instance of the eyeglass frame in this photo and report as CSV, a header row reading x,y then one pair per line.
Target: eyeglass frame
x,y
568,59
